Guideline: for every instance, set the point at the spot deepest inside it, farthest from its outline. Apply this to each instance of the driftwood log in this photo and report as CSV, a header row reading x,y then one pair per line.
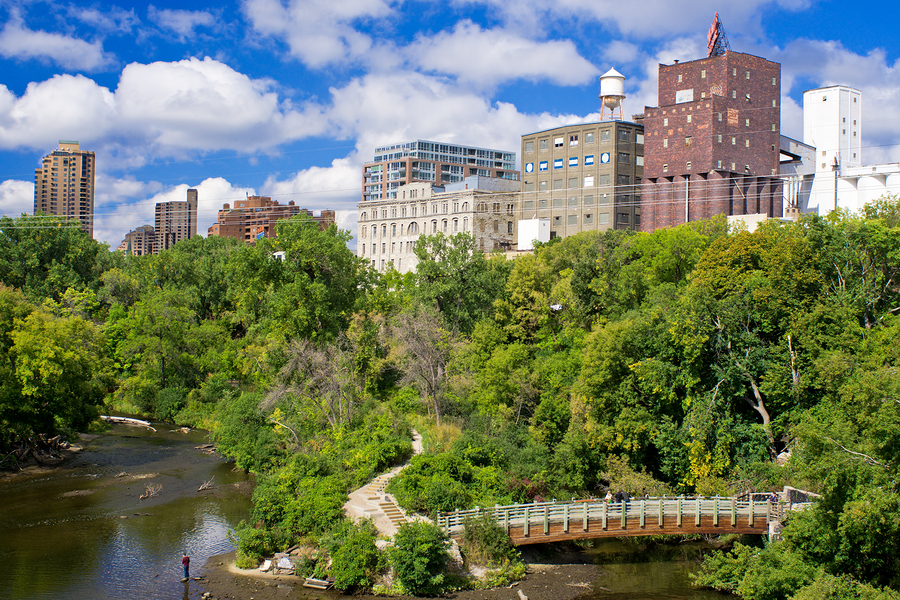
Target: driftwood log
x,y
127,421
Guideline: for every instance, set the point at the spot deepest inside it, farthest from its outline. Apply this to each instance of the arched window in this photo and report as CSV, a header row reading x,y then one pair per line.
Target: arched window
x,y
413,228
444,225
393,229
465,223
434,227
465,207
455,225
374,230
362,217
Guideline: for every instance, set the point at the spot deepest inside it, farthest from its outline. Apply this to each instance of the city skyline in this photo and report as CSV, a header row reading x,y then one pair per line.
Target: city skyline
x,y
289,99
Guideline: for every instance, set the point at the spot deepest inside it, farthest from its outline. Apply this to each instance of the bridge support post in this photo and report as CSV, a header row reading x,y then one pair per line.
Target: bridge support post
x,y
643,510
584,519
566,518
733,512
661,513
750,516
697,515
716,512
624,512
678,519
527,522
546,520
506,520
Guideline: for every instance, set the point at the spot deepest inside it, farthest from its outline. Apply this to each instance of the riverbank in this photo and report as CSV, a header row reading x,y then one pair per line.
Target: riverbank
x,y
569,576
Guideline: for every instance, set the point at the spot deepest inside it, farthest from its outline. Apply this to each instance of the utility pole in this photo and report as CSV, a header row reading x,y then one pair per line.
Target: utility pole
x,y
836,168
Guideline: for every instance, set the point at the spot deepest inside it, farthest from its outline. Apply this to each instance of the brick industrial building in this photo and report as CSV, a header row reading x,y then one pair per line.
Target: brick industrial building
x,y
255,218
712,145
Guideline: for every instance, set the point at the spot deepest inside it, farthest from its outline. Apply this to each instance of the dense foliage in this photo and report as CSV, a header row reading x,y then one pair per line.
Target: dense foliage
x,y
685,360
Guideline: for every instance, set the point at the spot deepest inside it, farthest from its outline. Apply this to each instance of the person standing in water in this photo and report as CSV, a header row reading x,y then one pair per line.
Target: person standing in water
x,y
186,564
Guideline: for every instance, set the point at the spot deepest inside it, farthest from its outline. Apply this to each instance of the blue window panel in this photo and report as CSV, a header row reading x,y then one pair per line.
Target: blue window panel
x,y
588,159
543,165
604,158
573,161
558,163
529,167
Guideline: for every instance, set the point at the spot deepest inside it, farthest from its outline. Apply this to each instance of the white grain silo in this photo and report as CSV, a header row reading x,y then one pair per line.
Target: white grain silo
x,y
612,93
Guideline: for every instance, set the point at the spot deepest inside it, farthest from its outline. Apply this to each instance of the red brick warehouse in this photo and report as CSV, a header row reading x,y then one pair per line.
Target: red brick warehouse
x,y
712,146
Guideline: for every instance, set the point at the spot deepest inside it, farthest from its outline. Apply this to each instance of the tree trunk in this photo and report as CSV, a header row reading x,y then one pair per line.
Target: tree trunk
x,y
759,406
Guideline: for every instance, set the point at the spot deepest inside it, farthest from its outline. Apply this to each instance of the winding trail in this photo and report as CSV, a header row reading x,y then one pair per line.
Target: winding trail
x,y
371,501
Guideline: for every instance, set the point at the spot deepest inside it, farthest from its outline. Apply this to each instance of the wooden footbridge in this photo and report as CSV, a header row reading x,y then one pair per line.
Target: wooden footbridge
x,y
540,523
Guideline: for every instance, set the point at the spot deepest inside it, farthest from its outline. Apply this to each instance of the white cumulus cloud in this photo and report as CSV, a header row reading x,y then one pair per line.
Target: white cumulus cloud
x,y
489,57
16,197
19,42
181,22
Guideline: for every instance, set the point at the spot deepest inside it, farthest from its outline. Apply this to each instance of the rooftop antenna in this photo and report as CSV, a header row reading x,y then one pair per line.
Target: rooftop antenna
x,y
716,42
612,92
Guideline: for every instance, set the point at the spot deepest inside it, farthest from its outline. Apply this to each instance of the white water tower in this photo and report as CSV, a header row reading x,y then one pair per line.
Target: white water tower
x,y
612,93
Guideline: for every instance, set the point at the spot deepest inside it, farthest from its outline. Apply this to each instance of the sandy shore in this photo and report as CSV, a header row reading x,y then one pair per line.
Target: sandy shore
x,y
568,577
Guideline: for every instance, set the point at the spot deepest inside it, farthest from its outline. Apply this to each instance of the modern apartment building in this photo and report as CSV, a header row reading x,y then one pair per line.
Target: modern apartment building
x,y
64,184
440,163
139,242
712,145
176,221
255,217
583,177
484,207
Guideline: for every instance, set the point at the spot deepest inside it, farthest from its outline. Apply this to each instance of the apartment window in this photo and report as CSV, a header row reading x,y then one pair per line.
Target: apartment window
x,y
589,181
589,137
734,72
773,81
623,180
747,142
733,141
542,186
557,184
748,74
719,115
465,223
688,141
688,165
734,93
384,231
572,220
544,144
665,121
624,135
384,248
573,140
393,229
665,168
529,147
529,186
573,202
528,204
689,118
702,73
573,182
665,142
773,104
746,122
679,78
773,126
444,225
434,227
557,221
558,142
719,137
588,219
823,153
588,200
557,202
604,180
455,225
604,135
624,157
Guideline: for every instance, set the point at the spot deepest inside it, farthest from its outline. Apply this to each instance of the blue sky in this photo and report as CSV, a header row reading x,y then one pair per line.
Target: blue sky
x,y
288,98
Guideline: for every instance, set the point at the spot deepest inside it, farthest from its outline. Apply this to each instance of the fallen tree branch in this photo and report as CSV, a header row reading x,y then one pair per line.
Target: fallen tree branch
x,y
869,460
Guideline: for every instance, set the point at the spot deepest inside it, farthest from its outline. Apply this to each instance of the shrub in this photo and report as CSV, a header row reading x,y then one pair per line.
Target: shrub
x,y
355,560
485,542
420,558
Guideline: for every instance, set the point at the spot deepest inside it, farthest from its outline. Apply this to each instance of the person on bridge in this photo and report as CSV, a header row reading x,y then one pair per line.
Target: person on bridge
x,y
620,496
609,496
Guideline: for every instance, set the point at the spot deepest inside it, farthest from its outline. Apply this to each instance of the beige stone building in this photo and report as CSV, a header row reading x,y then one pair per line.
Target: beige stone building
x,y
175,221
388,229
255,217
64,184
583,177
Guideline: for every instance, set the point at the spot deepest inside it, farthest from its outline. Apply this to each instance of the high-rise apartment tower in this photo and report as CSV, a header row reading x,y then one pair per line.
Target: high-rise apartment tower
x,y
64,184
176,221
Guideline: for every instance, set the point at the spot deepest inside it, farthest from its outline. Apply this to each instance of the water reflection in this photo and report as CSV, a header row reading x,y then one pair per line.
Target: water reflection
x,y
82,532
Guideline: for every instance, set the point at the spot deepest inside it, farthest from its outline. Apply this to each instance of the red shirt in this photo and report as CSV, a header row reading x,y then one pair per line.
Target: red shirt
x,y
186,560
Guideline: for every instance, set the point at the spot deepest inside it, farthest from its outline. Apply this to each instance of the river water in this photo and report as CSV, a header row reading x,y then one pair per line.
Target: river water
x,y
81,531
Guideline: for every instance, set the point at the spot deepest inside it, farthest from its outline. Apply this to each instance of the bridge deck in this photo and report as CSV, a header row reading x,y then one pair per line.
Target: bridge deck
x,y
559,521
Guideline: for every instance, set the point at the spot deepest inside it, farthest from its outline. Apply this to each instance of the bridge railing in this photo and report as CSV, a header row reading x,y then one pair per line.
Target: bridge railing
x,y
684,510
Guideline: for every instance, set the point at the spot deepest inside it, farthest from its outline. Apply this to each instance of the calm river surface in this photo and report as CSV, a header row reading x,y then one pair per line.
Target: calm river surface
x,y
71,531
